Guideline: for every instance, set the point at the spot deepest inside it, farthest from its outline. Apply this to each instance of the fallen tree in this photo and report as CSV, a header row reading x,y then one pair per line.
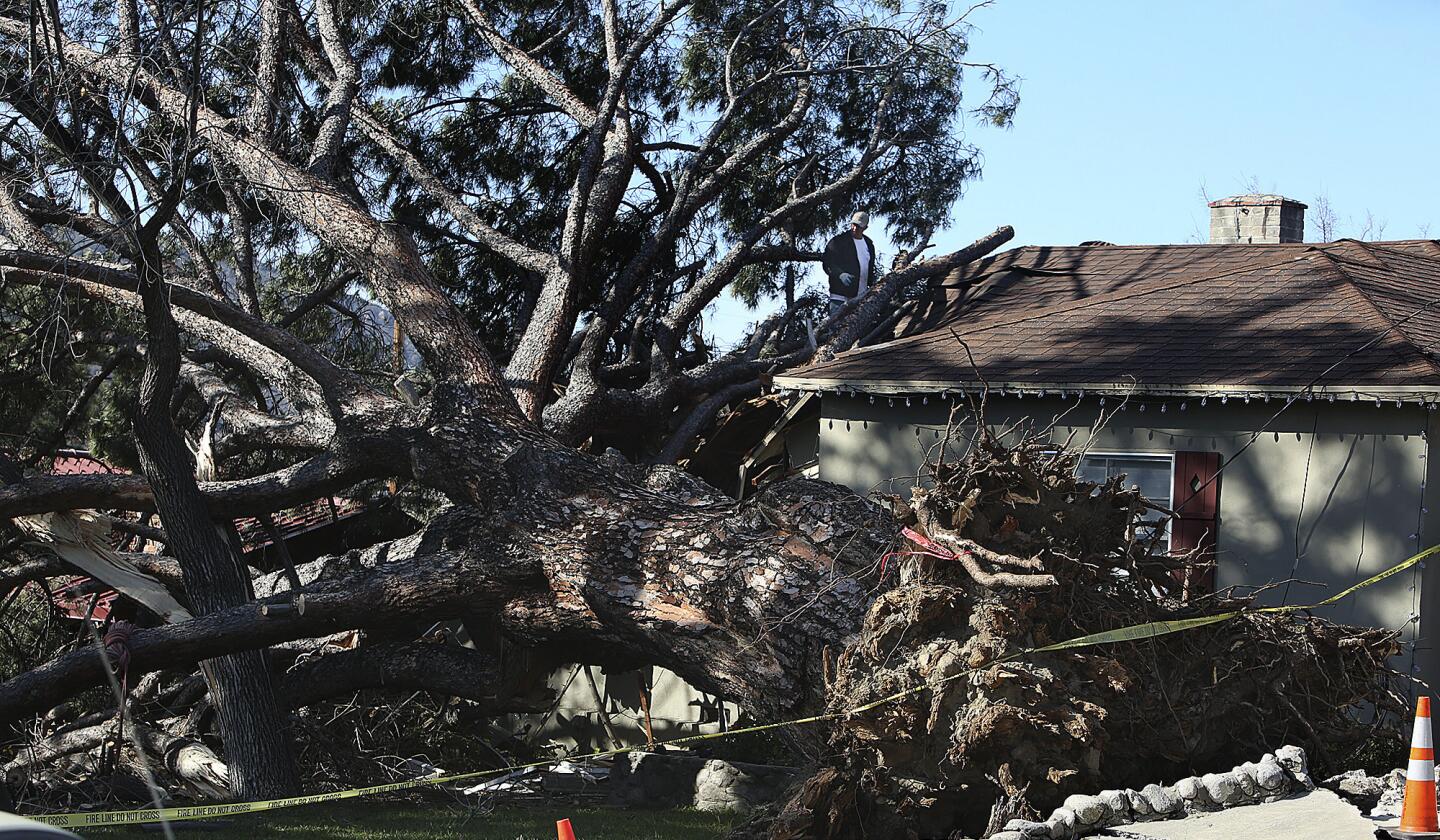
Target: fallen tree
x,y
779,603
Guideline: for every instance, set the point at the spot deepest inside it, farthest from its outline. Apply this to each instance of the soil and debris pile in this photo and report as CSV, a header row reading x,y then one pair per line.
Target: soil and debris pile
x,y
1043,556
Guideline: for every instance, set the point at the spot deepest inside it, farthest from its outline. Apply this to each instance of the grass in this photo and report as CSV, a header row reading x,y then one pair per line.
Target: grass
x,y
404,821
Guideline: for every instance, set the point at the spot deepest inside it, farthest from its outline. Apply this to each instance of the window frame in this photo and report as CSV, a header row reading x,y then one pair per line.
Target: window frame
x,y
1153,454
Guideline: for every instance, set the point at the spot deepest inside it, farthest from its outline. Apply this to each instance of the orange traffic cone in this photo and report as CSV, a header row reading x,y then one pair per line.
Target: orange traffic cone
x,y
1418,818
563,831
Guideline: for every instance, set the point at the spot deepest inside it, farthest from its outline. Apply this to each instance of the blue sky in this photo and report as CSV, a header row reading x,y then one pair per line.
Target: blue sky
x,y
1130,109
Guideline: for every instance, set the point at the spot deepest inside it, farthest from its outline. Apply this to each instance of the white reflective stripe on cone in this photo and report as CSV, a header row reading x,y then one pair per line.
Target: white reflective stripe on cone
x,y
1422,736
1420,771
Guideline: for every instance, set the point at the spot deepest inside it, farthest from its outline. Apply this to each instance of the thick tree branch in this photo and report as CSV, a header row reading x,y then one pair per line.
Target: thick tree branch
x,y
528,66
33,564
344,85
318,476
701,416
15,222
260,110
391,595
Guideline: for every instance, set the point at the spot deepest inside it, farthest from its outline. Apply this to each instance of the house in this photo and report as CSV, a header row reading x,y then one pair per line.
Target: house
x,y
1279,395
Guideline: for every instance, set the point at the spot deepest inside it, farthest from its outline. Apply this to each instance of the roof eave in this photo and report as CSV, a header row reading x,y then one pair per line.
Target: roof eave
x,y
906,387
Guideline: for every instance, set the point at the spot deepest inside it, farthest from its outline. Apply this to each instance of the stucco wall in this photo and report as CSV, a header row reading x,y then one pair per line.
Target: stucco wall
x,y
1359,510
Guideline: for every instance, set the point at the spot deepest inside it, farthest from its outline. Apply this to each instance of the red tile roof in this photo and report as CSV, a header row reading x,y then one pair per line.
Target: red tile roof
x,y
1345,316
72,602
297,520
79,462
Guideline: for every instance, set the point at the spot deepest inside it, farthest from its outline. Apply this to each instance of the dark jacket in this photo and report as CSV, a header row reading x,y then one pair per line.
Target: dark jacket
x,y
840,258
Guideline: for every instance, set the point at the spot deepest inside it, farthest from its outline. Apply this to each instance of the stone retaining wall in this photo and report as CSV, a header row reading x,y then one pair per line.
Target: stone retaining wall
x,y
1273,777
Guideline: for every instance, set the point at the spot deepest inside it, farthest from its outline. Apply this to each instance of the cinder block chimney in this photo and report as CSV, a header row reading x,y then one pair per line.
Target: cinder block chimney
x,y
1256,219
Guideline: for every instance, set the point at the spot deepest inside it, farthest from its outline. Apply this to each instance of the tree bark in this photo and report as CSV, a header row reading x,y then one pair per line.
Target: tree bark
x,y
608,561
255,736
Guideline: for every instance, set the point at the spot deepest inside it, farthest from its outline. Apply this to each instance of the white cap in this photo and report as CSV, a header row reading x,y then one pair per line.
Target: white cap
x,y
860,218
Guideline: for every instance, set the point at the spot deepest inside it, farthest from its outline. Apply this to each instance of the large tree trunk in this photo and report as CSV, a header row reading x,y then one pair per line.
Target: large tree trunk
x,y
615,560
256,738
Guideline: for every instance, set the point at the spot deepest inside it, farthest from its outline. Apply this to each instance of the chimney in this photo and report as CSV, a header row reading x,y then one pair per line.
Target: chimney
x,y
1256,219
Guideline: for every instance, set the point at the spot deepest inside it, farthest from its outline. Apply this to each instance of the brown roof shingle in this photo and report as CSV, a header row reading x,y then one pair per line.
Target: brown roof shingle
x,y
1362,317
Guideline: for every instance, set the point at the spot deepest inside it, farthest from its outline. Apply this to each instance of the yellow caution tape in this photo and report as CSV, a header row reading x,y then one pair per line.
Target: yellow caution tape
x,y
1136,632
1149,630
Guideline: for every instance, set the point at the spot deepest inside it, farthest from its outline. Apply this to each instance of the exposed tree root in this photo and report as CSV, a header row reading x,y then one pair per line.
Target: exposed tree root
x,y
1041,557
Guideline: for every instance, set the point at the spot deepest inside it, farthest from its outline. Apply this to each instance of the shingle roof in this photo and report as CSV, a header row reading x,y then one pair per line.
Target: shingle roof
x,y
1361,318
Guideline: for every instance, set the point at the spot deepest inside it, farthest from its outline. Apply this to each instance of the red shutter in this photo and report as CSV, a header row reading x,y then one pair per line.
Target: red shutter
x,y
1196,501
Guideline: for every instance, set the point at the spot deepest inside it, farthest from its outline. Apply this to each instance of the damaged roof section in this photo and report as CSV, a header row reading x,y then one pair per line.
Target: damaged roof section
x,y
1359,319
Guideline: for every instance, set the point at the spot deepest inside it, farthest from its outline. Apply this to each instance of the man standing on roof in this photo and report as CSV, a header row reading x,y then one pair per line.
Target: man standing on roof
x,y
849,262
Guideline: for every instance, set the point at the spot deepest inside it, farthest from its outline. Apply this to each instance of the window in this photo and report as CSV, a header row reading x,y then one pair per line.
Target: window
x,y
1153,474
